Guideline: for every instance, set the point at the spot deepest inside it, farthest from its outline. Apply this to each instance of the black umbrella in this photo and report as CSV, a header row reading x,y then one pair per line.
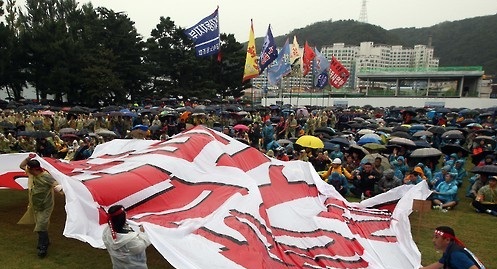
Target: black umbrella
x,y
487,132
437,129
36,134
485,169
329,146
401,134
327,130
422,144
400,128
340,140
454,148
359,150
487,139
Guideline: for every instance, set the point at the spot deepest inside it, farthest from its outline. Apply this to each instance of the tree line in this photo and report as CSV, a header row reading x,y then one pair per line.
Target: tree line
x,y
94,56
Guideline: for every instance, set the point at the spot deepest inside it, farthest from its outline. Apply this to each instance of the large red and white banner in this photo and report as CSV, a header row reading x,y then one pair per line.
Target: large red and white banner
x,y
209,201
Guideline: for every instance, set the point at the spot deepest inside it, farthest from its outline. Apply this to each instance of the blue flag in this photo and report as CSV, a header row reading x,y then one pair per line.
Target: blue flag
x,y
269,51
282,66
320,69
205,35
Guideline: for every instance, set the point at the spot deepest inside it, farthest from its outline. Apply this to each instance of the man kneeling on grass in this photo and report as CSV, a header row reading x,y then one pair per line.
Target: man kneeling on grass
x,y
486,199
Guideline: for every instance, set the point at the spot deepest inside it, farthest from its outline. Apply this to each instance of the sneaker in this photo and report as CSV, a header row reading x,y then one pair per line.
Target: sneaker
x,y
443,210
491,212
436,207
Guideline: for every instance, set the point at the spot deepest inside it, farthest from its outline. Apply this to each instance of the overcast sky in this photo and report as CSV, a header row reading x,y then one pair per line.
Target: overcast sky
x,y
284,16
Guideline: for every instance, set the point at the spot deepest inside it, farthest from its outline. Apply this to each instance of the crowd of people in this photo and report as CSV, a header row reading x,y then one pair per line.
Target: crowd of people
x,y
359,157
348,161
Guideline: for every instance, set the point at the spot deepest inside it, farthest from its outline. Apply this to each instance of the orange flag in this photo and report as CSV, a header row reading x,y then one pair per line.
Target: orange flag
x,y
251,67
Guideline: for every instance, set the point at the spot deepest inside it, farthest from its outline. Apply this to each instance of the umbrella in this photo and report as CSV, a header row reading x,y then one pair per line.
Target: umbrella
x,y
454,148
401,134
422,144
358,149
485,169
367,140
425,152
470,123
487,139
46,113
309,141
371,135
67,131
402,141
329,146
284,142
371,157
241,128
423,133
417,127
374,146
400,128
487,132
453,134
340,140
155,128
437,129
365,131
69,136
36,134
384,129
326,130
105,132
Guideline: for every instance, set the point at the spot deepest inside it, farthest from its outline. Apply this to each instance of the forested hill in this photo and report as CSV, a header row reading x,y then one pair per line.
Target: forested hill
x,y
468,42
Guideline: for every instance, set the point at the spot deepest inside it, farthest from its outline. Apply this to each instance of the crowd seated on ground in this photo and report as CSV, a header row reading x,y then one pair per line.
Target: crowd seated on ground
x,y
367,150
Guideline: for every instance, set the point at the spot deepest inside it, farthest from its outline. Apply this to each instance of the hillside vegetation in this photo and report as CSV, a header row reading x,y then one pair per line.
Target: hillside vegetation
x,y
468,42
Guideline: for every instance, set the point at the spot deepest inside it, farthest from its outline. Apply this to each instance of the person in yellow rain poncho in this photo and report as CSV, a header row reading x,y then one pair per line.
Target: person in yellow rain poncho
x,y
41,186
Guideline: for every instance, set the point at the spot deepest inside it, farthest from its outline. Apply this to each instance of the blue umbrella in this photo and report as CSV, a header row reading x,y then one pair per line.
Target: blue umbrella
x,y
366,140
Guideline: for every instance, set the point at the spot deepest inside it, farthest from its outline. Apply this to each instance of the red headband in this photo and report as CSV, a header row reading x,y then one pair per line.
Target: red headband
x,y
449,236
109,216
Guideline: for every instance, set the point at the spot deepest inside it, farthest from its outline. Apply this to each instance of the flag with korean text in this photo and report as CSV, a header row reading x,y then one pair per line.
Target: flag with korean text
x,y
320,69
307,58
251,67
281,66
269,52
338,74
205,35
296,58
207,200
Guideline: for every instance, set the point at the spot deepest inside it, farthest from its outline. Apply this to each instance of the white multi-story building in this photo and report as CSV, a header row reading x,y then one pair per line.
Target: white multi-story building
x,y
365,56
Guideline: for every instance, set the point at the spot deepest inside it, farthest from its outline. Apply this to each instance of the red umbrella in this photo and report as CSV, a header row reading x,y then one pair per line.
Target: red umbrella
x,y
241,127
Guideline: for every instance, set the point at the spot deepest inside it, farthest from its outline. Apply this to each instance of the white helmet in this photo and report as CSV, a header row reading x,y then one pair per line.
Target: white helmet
x,y
336,161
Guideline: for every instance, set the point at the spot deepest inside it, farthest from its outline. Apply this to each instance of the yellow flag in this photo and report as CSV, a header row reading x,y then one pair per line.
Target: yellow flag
x,y
251,67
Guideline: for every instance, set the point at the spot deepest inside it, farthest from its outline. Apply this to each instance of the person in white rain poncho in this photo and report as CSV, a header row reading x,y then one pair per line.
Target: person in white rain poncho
x,y
125,246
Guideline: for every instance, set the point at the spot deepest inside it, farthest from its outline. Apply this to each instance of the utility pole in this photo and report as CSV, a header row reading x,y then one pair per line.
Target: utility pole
x,y
363,16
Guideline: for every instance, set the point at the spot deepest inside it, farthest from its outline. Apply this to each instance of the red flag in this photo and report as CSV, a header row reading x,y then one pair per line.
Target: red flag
x,y
338,73
307,59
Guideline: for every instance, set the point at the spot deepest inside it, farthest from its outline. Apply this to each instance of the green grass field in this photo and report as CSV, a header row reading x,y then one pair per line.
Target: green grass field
x,y
18,248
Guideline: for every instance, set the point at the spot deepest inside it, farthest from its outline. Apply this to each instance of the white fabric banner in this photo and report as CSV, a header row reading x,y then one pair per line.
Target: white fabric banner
x,y
209,201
